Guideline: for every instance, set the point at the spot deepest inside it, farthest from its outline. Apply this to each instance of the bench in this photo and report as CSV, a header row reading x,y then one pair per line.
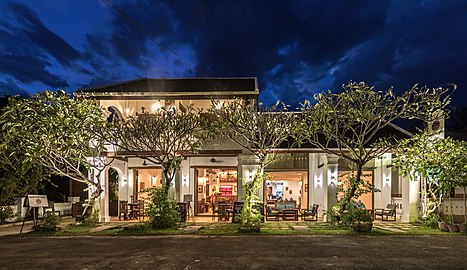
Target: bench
x,y
389,211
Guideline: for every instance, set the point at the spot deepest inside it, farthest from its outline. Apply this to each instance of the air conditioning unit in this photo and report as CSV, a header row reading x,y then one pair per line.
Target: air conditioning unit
x,y
436,126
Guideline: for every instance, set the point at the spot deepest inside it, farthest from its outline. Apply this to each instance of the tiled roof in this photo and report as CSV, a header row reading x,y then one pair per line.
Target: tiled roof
x,y
177,85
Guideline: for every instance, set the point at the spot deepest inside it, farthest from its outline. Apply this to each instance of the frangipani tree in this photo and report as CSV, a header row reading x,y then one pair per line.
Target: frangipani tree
x,y
347,124
163,137
259,130
55,131
441,163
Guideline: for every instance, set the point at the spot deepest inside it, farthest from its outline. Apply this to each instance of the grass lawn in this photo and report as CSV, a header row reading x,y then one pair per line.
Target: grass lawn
x,y
224,228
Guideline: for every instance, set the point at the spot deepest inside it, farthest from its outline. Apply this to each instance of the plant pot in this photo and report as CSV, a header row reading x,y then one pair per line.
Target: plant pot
x,y
362,227
452,228
442,226
462,227
254,229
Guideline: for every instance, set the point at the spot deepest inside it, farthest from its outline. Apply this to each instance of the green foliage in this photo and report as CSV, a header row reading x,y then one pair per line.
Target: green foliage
x,y
91,215
333,214
431,220
53,133
5,213
163,137
162,210
251,215
353,214
49,223
441,163
356,215
258,130
352,188
346,124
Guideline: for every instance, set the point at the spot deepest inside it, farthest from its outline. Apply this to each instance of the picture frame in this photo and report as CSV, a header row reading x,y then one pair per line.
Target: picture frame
x,y
200,188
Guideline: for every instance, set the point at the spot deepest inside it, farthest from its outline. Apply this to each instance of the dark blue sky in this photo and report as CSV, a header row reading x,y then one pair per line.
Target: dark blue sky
x,y
295,48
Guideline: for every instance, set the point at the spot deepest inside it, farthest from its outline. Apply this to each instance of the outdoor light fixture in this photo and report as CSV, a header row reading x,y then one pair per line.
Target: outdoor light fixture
x,y
144,163
155,107
213,160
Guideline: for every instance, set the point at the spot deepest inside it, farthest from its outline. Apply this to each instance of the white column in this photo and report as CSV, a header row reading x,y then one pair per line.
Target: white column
x,y
247,167
382,181
410,199
185,178
104,198
330,173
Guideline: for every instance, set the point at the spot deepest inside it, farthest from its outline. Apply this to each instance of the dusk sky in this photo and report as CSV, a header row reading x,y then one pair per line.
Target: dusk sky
x,y
295,48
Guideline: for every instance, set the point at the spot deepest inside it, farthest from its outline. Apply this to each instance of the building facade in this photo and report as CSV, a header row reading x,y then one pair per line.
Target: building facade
x,y
303,176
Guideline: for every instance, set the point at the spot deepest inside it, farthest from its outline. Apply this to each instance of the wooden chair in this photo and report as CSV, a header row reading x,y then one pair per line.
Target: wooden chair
x,y
272,214
123,210
311,214
221,211
140,209
389,211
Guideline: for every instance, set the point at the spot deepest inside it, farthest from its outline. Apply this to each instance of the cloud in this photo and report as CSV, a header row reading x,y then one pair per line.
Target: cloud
x,y
9,87
29,69
34,31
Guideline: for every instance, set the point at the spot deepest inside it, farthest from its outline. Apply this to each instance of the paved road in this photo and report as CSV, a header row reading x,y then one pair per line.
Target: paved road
x,y
244,252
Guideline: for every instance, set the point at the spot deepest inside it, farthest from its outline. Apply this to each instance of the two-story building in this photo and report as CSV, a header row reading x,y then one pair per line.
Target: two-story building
x,y
304,175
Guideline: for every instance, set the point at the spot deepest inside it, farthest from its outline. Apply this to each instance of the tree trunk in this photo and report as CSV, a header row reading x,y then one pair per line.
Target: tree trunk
x,y
168,177
350,194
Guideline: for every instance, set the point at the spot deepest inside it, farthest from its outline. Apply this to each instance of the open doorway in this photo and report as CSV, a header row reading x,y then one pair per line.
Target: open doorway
x,y
213,185
113,192
145,178
287,187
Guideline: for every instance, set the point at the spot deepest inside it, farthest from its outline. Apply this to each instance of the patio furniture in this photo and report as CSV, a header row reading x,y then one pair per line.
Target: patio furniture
x,y
310,214
134,210
389,211
290,214
221,211
123,210
51,208
140,209
272,214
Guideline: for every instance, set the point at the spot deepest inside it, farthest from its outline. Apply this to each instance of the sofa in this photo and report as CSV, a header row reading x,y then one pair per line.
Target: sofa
x,y
274,208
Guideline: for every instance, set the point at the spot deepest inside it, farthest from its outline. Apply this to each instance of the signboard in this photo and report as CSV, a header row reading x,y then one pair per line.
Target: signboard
x,y
36,201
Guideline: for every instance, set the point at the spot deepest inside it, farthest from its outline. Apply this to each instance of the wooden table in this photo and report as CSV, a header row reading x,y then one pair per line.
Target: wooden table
x,y
290,214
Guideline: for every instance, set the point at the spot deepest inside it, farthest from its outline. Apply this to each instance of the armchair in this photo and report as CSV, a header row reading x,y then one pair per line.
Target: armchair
x,y
311,214
389,211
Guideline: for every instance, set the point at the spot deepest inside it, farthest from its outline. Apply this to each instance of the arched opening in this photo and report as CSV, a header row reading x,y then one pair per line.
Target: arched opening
x,y
113,191
114,114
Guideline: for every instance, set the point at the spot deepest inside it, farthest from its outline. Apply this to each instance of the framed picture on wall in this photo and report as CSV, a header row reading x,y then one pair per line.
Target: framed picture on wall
x,y
200,188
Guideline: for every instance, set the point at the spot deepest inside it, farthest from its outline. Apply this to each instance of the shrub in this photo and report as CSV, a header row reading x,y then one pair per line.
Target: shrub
x,y
5,213
431,220
91,216
162,210
355,215
351,215
49,223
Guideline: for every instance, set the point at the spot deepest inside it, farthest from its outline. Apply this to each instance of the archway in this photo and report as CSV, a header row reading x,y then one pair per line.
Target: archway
x,y
113,191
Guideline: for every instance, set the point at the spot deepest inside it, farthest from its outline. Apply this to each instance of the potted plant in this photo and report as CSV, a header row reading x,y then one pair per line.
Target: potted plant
x,y
359,219
363,221
442,223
